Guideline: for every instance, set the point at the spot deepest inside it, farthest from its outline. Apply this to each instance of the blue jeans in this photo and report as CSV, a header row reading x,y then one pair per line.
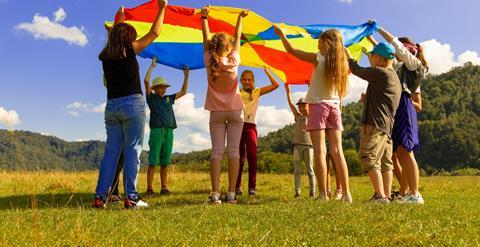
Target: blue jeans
x,y
125,123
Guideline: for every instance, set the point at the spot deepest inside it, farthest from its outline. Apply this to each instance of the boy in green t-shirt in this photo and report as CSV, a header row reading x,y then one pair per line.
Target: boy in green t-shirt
x,y
162,123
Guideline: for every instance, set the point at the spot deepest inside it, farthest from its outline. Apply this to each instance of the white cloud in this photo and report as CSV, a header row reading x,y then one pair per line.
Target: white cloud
x,y
73,113
357,86
346,1
188,116
60,15
75,108
9,118
186,140
42,27
269,119
198,140
99,108
469,56
441,58
297,95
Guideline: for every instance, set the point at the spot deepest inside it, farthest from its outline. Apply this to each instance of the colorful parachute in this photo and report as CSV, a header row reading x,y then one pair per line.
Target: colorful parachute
x,y
180,42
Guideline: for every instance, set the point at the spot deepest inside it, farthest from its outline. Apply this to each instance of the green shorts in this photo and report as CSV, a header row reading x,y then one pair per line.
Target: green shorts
x,y
161,146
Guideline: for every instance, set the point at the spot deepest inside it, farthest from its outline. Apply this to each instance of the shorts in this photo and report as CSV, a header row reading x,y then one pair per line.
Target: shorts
x,y
325,115
376,149
161,146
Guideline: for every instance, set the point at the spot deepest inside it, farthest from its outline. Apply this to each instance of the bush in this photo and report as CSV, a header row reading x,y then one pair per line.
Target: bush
x,y
466,172
353,162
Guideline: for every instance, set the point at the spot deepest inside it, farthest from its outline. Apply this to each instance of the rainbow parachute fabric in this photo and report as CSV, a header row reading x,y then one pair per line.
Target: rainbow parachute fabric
x,y
180,42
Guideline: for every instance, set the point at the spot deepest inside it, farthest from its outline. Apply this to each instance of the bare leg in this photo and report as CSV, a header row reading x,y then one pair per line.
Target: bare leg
x,y
387,178
335,140
407,159
319,153
377,181
163,176
150,172
400,174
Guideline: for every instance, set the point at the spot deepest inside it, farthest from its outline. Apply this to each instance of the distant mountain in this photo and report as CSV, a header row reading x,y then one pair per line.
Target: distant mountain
x,y
24,150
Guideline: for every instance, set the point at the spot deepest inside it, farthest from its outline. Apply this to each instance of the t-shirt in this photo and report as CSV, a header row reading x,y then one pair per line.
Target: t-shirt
x,y
382,98
318,91
122,76
300,134
250,101
161,111
223,93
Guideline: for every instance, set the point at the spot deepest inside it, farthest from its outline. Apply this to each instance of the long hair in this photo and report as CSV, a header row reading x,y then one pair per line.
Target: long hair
x,y
119,42
418,50
336,66
219,43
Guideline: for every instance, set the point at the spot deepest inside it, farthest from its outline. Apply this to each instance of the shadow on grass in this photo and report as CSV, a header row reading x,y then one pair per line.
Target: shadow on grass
x,y
43,201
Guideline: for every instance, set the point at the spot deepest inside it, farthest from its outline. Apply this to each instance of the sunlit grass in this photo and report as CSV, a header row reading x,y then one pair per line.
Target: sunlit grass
x,y
54,208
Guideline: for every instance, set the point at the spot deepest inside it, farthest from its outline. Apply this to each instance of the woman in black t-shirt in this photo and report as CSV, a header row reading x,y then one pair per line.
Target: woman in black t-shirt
x,y
125,109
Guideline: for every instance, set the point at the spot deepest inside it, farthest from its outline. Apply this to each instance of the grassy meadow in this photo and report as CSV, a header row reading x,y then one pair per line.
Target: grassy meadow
x,y
54,209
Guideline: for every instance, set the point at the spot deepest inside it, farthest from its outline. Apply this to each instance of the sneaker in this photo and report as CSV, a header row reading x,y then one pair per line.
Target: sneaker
x,y
137,203
338,196
413,199
239,192
230,198
376,199
396,196
297,195
312,194
165,192
323,197
99,203
215,199
150,192
114,199
252,192
346,198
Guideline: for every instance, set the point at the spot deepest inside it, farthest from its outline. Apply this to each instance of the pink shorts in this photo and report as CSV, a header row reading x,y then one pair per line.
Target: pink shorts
x,y
325,115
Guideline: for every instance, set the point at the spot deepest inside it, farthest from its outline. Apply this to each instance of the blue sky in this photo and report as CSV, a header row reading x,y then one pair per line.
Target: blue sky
x,y
54,86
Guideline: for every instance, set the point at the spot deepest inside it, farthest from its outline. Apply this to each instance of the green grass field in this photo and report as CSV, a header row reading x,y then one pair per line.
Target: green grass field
x,y
54,208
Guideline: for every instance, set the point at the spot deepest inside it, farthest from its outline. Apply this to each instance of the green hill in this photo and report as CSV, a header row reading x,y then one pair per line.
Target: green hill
x,y
448,129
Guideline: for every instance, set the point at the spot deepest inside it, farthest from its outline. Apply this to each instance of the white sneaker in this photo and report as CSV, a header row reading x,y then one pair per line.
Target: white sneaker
x,y
413,199
376,199
137,203
338,196
141,204
215,199
346,198
323,197
230,198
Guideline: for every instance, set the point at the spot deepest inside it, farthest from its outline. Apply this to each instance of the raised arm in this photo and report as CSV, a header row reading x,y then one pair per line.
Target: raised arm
x,y
186,72
121,19
148,90
205,28
305,56
290,103
268,89
363,73
238,31
155,30
411,62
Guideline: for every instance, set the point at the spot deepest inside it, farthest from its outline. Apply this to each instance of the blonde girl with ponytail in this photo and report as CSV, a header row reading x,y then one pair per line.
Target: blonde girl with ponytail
x,y
222,59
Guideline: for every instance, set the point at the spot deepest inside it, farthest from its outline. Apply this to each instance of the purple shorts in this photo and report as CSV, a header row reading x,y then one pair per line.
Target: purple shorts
x,y
325,115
